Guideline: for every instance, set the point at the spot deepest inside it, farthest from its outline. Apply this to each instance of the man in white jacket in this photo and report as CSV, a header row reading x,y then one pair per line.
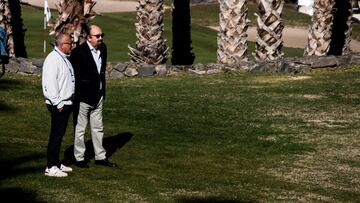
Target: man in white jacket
x,y
58,84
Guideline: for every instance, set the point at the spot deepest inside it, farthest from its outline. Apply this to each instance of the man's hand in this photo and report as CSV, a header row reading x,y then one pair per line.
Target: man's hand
x,y
61,109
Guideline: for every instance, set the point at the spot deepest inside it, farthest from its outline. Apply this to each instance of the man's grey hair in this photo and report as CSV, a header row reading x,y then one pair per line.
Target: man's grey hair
x,y
60,38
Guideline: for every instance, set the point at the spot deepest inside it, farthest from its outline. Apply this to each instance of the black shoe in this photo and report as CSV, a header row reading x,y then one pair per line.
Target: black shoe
x,y
81,164
105,162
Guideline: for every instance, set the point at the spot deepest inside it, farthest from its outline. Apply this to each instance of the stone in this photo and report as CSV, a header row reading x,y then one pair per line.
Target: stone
x,y
119,70
161,70
27,67
324,62
116,74
37,62
121,67
131,72
355,59
12,67
146,70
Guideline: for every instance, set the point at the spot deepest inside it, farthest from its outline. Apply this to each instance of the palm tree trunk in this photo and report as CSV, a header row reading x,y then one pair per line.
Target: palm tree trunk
x,y
74,16
5,22
319,36
150,45
17,36
342,28
182,50
232,37
348,31
269,42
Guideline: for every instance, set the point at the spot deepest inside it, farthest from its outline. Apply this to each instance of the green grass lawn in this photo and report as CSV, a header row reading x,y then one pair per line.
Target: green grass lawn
x,y
232,137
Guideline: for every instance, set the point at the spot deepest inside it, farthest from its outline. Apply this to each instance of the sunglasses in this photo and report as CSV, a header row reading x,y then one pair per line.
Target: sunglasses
x,y
102,35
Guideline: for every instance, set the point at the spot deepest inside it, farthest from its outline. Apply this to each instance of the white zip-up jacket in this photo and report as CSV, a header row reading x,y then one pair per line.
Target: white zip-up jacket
x,y
58,81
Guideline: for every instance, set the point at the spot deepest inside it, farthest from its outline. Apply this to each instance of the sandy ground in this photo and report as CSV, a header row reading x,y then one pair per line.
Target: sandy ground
x,y
293,37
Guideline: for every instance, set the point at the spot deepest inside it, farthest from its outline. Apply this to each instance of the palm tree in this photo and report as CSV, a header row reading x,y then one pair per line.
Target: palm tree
x,y
342,28
320,31
18,32
11,22
346,50
232,37
181,46
269,32
150,45
74,16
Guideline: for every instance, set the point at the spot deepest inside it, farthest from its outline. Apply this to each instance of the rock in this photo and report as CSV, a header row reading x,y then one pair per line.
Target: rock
x,y
146,70
131,72
116,74
27,67
13,66
119,70
120,67
161,70
325,61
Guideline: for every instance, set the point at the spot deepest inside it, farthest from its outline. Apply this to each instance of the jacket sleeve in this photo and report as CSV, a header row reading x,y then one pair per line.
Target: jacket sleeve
x,y
50,82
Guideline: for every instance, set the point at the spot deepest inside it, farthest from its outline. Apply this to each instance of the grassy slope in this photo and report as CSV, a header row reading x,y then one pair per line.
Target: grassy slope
x,y
234,136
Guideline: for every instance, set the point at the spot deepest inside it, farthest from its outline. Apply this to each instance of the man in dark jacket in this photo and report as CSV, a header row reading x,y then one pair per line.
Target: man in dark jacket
x,y
89,62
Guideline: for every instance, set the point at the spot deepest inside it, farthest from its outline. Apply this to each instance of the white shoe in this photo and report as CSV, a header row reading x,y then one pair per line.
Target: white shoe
x,y
64,168
55,172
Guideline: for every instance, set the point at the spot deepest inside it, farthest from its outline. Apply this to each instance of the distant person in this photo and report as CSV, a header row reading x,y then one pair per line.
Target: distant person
x,y
89,62
58,85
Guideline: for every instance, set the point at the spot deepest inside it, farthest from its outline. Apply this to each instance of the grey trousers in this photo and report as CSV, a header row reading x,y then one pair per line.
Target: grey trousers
x,y
94,115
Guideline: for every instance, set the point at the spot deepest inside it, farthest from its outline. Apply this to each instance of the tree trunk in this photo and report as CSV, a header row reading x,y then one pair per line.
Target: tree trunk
x,y
18,32
348,32
74,16
342,28
181,46
355,4
319,36
5,22
232,37
269,32
150,46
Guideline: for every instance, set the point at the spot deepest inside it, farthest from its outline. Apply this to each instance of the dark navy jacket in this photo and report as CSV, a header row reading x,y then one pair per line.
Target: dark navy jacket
x,y
87,77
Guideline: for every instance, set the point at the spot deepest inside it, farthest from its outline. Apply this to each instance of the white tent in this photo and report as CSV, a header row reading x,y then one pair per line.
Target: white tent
x,y
305,2
306,6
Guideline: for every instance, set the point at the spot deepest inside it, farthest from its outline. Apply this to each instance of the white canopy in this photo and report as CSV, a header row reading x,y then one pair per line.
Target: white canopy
x,y
305,2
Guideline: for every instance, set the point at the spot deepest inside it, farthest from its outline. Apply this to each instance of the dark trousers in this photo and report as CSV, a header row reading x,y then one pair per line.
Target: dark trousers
x,y
59,121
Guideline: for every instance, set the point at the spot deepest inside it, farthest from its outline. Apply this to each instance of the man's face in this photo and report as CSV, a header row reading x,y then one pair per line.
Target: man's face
x,y
96,37
66,45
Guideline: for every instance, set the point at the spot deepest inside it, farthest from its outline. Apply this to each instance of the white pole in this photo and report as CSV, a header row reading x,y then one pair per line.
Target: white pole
x,y
44,29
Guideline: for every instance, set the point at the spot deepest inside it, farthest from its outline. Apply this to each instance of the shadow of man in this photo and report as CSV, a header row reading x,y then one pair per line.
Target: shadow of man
x,y
111,145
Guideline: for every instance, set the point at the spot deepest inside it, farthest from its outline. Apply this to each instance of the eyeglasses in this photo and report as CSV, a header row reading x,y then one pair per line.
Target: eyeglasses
x,y
69,43
102,35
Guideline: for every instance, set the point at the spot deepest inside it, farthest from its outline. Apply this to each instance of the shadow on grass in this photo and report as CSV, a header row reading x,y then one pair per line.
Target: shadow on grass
x,y
5,107
211,200
6,84
111,145
12,167
18,195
